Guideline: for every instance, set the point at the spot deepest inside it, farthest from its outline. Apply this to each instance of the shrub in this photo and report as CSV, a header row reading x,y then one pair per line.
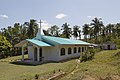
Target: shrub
x,y
36,76
5,47
88,55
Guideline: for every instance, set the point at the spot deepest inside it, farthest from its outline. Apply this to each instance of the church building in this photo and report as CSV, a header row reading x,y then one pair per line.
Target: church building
x,y
47,48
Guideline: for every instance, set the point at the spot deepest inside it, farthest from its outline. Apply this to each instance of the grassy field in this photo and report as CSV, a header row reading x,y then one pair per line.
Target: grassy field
x,y
14,58
101,67
20,72
104,64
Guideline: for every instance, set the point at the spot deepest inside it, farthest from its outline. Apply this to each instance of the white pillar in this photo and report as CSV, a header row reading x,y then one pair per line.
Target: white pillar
x,y
38,56
22,53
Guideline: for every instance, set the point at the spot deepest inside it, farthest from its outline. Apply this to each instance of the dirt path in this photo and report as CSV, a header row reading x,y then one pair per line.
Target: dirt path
x,y
86,77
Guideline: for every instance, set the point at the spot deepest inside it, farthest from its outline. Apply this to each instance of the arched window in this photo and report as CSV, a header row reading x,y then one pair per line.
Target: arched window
x,y
62,51
79,49
69,51
75,50
82,49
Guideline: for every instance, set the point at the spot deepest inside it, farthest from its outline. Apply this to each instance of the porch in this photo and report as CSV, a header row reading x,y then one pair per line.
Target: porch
x,y
35,54
35,50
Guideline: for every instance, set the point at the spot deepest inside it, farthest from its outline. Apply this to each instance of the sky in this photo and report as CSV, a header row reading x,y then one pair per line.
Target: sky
x,y
74,12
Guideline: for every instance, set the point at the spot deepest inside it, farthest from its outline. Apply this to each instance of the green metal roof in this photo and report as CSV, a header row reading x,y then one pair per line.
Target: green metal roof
x,y
57,41
37,42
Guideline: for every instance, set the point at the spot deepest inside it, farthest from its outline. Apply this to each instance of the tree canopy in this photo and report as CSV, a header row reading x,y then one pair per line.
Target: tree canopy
x,y
5,47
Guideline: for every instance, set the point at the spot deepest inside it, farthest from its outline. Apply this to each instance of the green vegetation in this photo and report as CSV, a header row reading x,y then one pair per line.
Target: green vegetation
x,y
94,32
14,58
20,72
104,64
5,47
87,55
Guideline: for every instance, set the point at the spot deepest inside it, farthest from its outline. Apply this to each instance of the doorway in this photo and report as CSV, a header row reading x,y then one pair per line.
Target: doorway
x,y
40,54
108,47
35,54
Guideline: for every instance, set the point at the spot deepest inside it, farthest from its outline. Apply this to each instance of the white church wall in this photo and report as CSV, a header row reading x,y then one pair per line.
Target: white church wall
x,y
50,53
30,52
73,55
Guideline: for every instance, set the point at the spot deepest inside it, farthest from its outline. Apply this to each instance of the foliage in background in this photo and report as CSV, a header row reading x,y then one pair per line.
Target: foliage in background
x,y
94,32
5,47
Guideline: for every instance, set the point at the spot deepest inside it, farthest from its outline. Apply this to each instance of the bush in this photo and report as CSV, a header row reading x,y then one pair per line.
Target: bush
x,y
5,47
88,55
36,76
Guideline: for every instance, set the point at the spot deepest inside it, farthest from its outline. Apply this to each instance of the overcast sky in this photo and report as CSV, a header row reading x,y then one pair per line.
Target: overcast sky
x,y
74,12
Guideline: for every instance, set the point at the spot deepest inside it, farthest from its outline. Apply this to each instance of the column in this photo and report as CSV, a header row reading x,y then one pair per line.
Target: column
x,y
38,56
22,53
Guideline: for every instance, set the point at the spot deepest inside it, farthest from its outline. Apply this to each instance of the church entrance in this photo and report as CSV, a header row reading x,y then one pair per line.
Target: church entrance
x,y
108,47
35,54
40,54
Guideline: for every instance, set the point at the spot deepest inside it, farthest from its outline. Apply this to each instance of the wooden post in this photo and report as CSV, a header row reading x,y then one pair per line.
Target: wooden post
x,y
22,53
38,56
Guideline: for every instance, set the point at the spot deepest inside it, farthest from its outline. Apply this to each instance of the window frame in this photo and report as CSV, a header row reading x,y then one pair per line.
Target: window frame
x,y
83,49
75,50
69,49
79,49
62,51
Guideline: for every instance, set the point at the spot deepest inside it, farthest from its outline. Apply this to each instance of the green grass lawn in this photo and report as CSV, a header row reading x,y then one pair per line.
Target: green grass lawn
x,y
21,72
102,65
14,58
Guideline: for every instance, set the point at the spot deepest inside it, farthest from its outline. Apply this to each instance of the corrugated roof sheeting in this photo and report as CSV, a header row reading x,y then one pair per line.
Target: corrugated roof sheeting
x,y
37,42
58,41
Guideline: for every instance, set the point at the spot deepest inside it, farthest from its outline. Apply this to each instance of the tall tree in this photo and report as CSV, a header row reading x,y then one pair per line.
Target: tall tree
x,y
109,29
66,30
104,34
97,25
76,31
117,30
79,32
85,31
91,32
32,28
54,30
23,32
46,32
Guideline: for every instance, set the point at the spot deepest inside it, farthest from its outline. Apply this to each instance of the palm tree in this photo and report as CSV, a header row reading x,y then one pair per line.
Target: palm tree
x,y
23,32
66,30
109,29
32,28
46,32
91,32
54,30
117,30
85,31
76,31
79,34
97,25
104,39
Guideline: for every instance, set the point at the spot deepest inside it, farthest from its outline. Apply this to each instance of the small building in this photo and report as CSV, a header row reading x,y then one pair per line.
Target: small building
x,y
93,45
108,46
47,48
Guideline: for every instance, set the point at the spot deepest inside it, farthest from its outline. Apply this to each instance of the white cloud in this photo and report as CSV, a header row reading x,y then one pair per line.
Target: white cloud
x,y
89,16
4,16
45,26
60,16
